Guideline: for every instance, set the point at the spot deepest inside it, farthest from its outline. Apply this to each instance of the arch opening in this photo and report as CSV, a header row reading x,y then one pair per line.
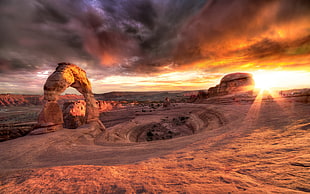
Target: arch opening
x,y
66,75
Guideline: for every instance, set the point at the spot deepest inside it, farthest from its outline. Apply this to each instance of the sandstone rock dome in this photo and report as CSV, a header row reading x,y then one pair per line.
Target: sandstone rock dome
x,y
233,83
237,76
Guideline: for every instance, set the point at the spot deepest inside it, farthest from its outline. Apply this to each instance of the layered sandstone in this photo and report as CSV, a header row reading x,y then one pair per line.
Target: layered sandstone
x,y
66,75
7,100
105,106
19,100
233,83
74,114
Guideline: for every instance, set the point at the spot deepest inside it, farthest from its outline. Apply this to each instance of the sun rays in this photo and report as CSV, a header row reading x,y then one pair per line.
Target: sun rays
x,y
276,80
268,88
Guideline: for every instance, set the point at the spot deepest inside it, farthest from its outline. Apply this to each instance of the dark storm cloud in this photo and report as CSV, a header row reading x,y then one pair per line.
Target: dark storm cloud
x,y
290,10
209,31
139,36
142,11
49,13
223,24
35,33
40,32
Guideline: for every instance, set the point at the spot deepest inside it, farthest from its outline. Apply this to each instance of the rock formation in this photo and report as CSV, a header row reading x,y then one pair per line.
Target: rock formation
x,y
299,95
74,114
66,75
104,106
19,100
167,102
7,100
232,83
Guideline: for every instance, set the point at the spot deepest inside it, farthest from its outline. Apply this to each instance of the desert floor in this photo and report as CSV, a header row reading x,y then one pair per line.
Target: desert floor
x,y
234,148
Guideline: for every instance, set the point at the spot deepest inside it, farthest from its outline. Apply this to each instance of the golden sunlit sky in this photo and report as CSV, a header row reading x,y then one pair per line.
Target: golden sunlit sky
x,y
155,45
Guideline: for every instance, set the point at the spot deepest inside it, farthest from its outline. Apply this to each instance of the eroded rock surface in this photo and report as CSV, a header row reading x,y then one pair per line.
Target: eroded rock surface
x,y
104,106
50,114
66,75
233,83
74,114
19,100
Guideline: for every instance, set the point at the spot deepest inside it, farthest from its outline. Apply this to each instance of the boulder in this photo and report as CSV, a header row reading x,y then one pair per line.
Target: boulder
x,y
74,114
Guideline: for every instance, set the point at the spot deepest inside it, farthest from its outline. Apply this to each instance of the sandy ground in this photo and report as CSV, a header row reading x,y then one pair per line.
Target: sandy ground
x,y
259,148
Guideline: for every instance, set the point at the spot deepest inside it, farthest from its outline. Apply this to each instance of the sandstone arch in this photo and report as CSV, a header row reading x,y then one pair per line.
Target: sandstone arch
x,y
66,75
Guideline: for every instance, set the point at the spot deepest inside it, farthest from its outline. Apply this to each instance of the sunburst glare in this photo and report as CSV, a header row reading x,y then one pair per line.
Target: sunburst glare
x,y
267,80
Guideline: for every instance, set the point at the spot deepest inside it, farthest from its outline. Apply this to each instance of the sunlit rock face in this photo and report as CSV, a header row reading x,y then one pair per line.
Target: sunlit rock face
x,y
19,100
104,106
66,75
74,114
233,83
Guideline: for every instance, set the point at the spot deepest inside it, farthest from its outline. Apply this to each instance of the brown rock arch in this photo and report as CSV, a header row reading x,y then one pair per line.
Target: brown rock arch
x,y
66,75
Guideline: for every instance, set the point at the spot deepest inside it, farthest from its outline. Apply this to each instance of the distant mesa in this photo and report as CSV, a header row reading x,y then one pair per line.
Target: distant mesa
x,y
19,100
8,100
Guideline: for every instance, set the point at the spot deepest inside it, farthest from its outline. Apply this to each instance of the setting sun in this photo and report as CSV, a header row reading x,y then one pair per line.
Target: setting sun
x,y
262,81
281,79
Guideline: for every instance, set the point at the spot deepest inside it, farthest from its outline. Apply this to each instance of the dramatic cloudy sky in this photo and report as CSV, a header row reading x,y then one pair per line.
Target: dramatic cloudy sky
x,y
154,44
